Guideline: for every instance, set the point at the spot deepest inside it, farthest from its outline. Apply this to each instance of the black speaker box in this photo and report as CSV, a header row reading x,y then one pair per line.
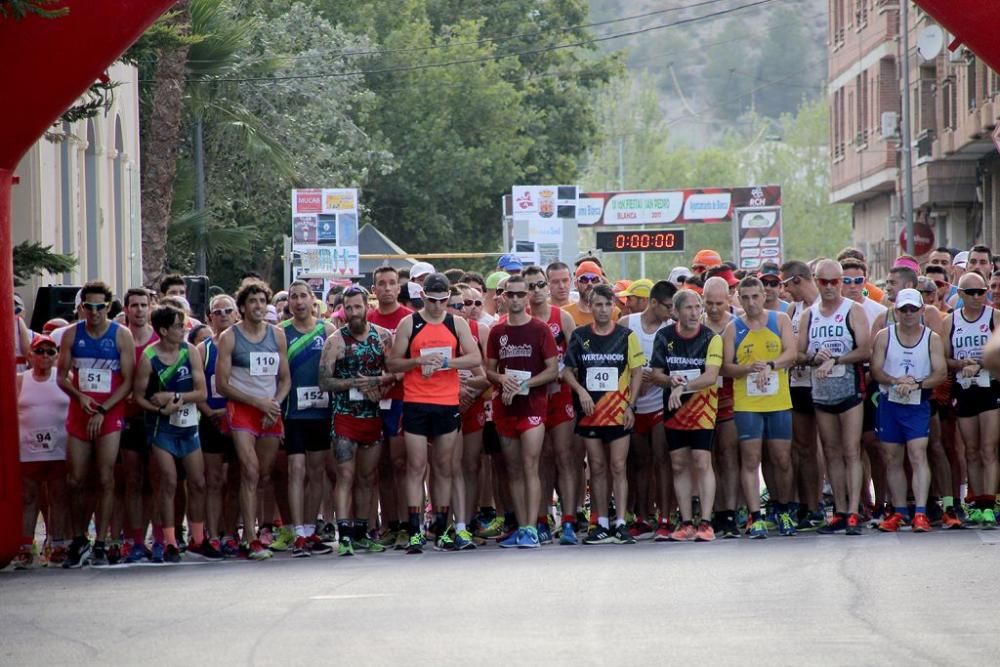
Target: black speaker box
x,y
54,301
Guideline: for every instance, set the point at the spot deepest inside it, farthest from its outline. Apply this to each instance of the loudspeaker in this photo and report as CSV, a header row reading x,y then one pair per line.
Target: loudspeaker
x,y
54,301
197,295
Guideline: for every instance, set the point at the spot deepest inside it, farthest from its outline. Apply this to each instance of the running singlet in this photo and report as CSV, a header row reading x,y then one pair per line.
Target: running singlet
x,y
175,377
604,366
361,357
305,400
762,344
41,409
901,360
390,322
215,400
442,386
97,362
650,400
688,358
255,365
967,341
798,376
833,333
522,350
132,408
580,318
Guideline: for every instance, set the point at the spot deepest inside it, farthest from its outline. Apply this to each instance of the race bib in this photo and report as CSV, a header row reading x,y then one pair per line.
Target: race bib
x,y
688,375
770,387
185,417
980,379
445,353
913,398
385,404
312,397
800,376
602,378
521,376
838,371
354,394
464,374
263,363
212,391
96,380
41,441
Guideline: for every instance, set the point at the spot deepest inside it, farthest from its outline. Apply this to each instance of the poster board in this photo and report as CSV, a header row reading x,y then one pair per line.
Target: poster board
x,y
325,233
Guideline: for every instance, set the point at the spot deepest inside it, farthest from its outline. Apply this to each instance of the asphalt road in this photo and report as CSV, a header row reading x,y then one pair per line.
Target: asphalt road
x,y
878,599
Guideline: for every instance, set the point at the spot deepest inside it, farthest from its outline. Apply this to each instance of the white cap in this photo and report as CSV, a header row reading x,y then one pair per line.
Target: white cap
x,y
415,290
961,259
909,297
421,269
677,273
271,316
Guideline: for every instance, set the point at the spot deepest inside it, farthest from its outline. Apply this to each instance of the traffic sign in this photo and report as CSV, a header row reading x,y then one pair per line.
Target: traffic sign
x,y
923,238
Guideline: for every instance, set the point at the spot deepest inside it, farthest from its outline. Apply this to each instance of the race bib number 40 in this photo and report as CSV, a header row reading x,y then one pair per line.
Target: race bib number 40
x,y
96,380
602,378
185,417
263,363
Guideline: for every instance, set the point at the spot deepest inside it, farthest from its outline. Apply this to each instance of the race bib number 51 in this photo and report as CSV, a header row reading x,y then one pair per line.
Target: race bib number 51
x,y
97,380
602,378
263,363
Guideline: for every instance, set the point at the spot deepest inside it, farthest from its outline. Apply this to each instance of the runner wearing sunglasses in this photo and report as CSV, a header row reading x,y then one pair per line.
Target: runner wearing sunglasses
x,y
588,274
770,278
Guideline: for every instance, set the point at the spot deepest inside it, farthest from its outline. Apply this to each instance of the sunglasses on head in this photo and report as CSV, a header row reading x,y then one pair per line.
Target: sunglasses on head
x,y
973,291
355,289
941,283
95,307
223,311
48,351
793,279
856,280
589,278
537,285
828,282
908,309
473,302
519,295
436,299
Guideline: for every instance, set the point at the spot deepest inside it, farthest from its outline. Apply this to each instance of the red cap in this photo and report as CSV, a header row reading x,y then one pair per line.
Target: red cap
x,y
727,275
42,339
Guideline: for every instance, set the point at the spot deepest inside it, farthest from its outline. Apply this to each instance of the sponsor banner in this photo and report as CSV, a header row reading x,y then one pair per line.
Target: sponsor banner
x,y
541,213
757,237
323,260
693,205
325,232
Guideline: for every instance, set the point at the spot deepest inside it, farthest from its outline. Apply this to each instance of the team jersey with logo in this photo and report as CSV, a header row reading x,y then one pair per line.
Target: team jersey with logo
x,y
968,338
175,377
305,400
361,357
604,366
762,344
689,357
834,333
523,350
96,362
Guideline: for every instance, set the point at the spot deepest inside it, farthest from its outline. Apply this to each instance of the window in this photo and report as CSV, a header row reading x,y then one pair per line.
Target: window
x,y
970,79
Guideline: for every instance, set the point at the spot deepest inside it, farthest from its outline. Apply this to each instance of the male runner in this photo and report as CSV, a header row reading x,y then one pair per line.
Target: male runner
x,y
521,361
908,361
352,369
588,274
834,340
560,282
759,347
687,356
600,367
252,372
770,278
430,347
101,354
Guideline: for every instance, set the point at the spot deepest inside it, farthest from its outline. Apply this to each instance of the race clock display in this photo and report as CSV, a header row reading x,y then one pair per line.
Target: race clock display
x,y
641,241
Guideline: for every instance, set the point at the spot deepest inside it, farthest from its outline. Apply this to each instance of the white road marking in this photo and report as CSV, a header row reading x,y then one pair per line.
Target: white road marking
x,y
349,596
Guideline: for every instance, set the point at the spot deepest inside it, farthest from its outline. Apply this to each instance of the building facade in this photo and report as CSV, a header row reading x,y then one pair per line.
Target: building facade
x,y
78,191
954,107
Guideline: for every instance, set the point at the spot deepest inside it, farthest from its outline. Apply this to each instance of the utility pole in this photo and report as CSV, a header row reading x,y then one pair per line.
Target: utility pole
x,y
904,18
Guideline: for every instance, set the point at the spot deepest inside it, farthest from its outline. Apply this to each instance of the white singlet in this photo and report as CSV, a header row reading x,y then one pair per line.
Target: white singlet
x,y
41,414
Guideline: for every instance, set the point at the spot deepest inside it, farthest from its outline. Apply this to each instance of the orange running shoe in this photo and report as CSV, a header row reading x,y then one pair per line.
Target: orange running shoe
x,y
891,523
705,532
950,519
921,524
684,533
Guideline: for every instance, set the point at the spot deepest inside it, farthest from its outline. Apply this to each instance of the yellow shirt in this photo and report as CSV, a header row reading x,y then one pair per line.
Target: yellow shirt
x,y
762,344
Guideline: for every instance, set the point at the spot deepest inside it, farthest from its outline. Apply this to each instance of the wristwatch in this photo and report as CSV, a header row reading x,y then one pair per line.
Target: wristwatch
x,y
771,364
177,397
101,409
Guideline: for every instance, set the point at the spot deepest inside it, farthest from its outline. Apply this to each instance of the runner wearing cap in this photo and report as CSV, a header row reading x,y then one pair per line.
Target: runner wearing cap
x,y
588,274
726,273
975,392
770,278
510,264
679,275
647,451
491,305
704,260
907,361
420,271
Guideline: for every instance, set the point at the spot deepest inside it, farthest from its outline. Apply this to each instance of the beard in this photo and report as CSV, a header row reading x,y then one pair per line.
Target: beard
x,y
357,325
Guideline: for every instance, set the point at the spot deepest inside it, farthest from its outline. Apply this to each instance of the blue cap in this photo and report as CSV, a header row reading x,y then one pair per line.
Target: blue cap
x,y
510,262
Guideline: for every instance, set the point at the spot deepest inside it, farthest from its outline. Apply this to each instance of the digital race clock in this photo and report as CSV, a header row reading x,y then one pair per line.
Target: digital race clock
x,y
641,241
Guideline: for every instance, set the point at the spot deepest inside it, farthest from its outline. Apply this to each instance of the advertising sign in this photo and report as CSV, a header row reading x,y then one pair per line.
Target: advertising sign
x,y
545,217
325,232
692,205
757,237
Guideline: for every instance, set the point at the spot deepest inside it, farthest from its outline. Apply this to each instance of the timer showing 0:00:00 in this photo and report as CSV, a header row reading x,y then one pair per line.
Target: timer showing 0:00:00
x,y
640,241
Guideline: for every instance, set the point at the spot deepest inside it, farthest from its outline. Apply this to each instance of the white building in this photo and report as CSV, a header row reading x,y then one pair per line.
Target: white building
x,y
80,195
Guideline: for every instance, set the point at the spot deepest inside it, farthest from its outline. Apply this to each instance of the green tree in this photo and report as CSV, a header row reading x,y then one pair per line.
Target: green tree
x,y
34,259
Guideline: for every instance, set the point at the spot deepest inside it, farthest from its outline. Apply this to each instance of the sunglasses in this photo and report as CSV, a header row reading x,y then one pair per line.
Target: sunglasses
x,y
223,311
473,302
941,283
856,280
95,307
537,285
356,289
437,299
458,305
48,351
587,279
908,309
519,295
973,291
828,282
770,283
793,279
499,291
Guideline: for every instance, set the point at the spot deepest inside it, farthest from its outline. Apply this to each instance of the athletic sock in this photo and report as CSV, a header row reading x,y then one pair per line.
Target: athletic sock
x,y
459,526
921,509
138,535
345,528
755,516
361,529
413,524
488,513
948,501
793,508
619,522
441,519
543,520
197,532
568,518
903,511
602,521
300,530
509,520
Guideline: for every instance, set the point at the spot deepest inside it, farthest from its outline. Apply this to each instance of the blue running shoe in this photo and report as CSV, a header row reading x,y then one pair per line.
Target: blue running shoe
x,y
513,540
529,538
544,534
568,535
157,553
758,530
136,554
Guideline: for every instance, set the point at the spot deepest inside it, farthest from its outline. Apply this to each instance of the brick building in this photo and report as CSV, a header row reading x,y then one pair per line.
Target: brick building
x,y
955,104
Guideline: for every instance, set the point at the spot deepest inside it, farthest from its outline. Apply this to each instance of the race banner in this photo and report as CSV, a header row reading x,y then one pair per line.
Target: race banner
x,y
325,232
688,206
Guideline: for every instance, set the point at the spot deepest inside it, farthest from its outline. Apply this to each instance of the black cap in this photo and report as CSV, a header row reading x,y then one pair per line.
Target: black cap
x,y
436,283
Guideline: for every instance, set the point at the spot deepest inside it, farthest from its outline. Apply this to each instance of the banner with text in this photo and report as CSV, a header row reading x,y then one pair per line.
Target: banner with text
x,y
757,237
658,207
543,218
325,232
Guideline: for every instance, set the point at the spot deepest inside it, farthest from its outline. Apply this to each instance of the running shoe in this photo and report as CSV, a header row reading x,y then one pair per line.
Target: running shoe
x,y
950,519
891,523
115,553
318,547
137,553
402,541
369,545
989,519
172,554
266,537
416,544
742,516
836,524
683,533
345,547
771,520
157,556
508,531
491,529
56,557
705,532
464,540
622,535
300,548
99,555
973,517
786,527
25,558
528,538
641,530
444,542
758,530
388,539
511,540
731,531
582,521
257,551
921,523
568,536
598,535
853,525
328,532
934,513
283,540
209,549
662,533
230,548
544,534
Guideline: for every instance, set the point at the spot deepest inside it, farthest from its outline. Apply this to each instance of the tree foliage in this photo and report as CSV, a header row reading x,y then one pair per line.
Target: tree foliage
x,y
34,259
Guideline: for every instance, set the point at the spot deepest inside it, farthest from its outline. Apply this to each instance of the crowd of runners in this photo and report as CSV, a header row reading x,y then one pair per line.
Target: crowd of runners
x,y
451,410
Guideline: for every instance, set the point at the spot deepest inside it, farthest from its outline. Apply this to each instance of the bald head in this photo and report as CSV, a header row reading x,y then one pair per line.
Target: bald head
x,y
971,280
716,288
